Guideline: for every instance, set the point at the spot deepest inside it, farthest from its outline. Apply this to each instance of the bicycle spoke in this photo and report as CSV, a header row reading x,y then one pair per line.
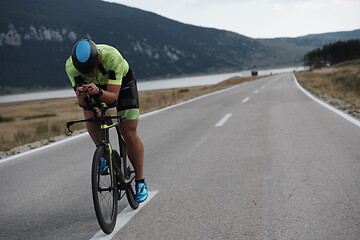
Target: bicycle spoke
x,y
106,206
105,195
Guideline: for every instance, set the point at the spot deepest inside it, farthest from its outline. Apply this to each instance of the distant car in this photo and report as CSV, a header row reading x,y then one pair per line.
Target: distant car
x,y
254,73
328,65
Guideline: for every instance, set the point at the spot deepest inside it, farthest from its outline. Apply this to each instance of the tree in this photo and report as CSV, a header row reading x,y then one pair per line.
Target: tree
x,y
333,53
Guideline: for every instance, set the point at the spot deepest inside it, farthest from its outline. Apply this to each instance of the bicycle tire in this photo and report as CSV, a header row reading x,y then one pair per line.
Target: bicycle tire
x,y
130,189
104,191
130,195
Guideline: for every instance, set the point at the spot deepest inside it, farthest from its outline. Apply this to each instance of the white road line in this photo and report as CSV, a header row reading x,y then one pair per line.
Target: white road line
x,y
335,110
245,100
122,219
223,120
256,91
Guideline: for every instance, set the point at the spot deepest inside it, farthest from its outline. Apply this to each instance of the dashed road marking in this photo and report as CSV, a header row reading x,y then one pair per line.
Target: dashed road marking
x,y
245,100
223,120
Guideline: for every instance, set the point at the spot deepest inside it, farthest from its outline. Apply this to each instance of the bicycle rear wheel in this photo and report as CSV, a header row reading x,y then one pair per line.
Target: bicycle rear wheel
x,y
130,190
104,190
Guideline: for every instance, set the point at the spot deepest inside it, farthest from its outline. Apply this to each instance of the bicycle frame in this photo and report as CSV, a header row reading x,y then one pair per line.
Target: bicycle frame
x,y
105,124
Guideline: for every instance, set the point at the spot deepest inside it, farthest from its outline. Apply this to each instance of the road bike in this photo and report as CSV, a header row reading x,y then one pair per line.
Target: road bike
x,y
118,180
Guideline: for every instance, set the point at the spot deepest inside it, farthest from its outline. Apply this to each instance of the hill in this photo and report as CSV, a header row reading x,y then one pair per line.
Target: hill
x,y
296,48
36,37
316,40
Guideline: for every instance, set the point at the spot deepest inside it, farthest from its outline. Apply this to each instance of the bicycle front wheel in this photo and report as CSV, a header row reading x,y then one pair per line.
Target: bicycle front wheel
x,y
104,190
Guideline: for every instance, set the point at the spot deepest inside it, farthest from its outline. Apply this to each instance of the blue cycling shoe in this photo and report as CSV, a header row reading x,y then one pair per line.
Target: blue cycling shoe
x,y
141,192
104,169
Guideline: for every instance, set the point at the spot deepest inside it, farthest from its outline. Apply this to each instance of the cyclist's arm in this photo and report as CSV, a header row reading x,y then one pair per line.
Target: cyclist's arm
x,y
109,96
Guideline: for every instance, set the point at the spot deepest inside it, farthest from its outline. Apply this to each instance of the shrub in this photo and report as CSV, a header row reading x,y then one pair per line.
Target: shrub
x,y
6,119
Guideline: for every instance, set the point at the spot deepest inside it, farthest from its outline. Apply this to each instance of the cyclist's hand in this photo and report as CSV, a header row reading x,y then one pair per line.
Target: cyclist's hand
x,y
81,91
92,88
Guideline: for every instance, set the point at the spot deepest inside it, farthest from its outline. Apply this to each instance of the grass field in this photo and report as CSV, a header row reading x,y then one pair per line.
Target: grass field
x,y
26,122
338,85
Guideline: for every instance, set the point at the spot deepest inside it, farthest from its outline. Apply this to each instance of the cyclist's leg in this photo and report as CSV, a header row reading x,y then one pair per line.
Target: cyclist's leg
x,y
134,146
92,127
135,152
129,108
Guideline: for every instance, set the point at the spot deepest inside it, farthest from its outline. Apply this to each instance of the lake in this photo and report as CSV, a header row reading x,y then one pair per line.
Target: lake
x,y
151,85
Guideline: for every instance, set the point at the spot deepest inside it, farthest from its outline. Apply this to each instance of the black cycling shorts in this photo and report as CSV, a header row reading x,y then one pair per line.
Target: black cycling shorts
x,y
128,96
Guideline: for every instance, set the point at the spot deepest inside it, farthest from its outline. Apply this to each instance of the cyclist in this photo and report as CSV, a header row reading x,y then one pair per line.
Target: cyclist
x,y
101,71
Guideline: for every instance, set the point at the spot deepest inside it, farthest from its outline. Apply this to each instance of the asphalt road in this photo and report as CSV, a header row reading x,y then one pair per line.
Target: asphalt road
x,y
279,166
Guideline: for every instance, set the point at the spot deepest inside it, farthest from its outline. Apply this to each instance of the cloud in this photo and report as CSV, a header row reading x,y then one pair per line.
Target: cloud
x,y
259,18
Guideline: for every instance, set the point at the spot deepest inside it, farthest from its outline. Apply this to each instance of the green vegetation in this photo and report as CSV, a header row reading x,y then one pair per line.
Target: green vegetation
x,y
333,53
6,119
183,90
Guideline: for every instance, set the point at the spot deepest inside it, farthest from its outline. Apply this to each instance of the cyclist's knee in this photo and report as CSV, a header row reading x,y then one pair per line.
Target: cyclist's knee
x,y
129,134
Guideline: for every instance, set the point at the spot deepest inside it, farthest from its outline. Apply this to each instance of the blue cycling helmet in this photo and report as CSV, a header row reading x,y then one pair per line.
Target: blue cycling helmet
x,y
85,56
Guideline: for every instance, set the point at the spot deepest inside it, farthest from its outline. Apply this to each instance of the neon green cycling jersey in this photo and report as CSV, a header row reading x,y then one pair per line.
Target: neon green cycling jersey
x,y
111,60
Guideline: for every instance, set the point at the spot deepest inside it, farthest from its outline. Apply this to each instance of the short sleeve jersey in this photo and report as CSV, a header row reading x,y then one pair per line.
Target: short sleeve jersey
x,y
111,60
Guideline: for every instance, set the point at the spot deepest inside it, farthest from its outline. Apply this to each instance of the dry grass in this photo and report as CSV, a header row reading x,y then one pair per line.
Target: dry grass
x,y
25,122
35,120
339,85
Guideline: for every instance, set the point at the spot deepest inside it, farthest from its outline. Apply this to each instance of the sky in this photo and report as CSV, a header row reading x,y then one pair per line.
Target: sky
x,y
259,18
